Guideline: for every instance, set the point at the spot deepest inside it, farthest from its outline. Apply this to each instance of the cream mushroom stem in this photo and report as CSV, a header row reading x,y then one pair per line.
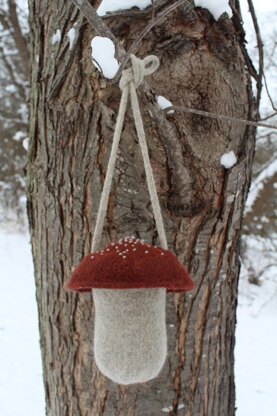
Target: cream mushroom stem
x,y
130,342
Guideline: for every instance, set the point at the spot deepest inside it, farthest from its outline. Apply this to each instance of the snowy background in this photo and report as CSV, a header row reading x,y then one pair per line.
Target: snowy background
x,y
21,387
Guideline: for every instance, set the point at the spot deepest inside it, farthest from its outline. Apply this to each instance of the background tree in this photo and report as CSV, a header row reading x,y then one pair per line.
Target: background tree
x,y
14,78
204,64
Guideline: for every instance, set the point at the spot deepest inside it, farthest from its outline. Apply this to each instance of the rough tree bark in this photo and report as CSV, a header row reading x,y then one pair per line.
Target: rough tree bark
x,y
72,117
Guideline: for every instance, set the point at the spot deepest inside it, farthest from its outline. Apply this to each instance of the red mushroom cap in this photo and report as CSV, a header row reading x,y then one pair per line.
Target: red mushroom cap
x,y
130,264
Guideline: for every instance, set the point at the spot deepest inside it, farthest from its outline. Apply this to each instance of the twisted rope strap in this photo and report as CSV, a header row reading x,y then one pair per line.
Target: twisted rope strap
x,y
130,80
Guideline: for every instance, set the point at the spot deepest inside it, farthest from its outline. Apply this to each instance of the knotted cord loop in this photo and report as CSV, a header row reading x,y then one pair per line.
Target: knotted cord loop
x,y
131,79
138,70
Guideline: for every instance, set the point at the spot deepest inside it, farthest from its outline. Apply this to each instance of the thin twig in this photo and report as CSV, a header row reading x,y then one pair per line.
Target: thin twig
x,y
260,49
268,94
261,74
269,116
219,117
268,136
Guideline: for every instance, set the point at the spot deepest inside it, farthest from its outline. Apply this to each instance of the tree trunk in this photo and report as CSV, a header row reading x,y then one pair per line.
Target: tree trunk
x,y
72,117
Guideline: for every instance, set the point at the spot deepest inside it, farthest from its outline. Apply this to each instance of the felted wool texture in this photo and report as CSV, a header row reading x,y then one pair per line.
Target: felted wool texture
x,y
130,264
130,343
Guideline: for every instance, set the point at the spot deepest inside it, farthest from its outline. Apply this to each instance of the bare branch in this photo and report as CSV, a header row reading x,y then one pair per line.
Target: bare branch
x,y
260,49
270,116
268,94
19,39
4,20
219,117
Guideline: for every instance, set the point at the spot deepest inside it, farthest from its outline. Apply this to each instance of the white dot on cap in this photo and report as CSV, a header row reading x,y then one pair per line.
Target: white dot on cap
x,y
92,257
124,257
162,254
146,251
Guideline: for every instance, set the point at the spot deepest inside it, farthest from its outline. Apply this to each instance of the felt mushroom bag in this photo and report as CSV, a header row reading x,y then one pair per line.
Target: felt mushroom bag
x,y
129,279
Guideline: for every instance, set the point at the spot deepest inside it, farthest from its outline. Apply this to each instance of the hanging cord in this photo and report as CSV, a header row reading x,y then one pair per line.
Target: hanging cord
x,y
219,116
130,80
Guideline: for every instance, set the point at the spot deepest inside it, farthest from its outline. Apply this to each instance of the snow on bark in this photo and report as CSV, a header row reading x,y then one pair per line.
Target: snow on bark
x,y
56,38
71,36
164,103
228,160
115,5
103,51
217,8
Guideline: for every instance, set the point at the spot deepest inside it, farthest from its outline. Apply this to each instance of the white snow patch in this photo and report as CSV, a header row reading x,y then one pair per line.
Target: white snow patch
x,y
256,331
56,38
25,143
21,386
259,260
103,51
258,184
164,103
170,408
167,409
216,7
71,36
115,5
256,361
11,88
228,160
19,135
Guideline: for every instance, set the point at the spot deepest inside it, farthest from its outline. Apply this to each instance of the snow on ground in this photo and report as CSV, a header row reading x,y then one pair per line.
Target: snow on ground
x,y
256,337
258,184
21,388
256,362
